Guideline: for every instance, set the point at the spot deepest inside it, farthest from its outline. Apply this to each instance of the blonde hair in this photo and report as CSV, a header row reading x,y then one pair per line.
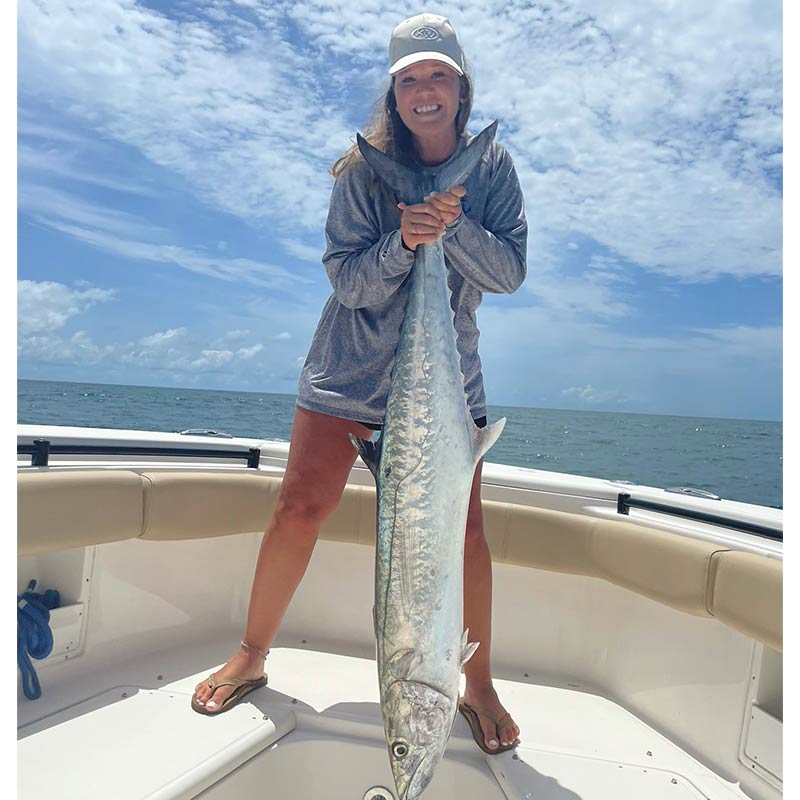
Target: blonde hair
x,y
387,132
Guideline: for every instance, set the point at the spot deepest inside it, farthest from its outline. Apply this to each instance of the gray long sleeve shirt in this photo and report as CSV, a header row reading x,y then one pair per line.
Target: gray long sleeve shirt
x,y
349,364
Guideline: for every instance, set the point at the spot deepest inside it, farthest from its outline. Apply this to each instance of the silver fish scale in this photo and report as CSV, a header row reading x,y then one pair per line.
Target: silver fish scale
x,y
426,471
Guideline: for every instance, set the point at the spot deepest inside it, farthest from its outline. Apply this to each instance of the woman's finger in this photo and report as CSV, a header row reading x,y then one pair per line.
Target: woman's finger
x,y
444,199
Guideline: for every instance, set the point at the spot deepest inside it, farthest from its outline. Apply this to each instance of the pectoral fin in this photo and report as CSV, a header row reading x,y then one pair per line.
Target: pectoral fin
x,y
484,438
404,663
369,451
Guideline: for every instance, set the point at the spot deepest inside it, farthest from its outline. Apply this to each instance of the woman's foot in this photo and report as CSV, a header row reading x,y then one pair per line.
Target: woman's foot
x,y
247,664
485,698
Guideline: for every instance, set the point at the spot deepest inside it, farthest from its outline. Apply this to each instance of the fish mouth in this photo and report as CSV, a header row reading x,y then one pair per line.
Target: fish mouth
x,y
407,787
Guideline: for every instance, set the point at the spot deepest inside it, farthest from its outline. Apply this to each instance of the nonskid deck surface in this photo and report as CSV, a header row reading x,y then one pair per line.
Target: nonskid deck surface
x,y
316,731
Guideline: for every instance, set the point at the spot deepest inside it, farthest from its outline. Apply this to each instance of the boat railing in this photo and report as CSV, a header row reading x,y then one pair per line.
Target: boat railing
x,y
41,450
625,502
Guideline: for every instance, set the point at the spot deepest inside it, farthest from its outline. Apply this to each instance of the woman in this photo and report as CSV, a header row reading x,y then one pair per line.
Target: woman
x,y
343,387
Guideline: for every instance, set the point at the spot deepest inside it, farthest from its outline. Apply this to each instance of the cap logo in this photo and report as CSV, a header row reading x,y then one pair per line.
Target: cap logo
x,y
425,33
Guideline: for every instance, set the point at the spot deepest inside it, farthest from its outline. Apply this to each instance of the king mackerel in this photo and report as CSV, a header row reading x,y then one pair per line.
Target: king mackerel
x,y
423,466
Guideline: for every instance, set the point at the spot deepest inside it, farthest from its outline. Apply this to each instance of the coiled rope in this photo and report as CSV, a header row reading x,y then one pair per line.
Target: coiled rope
x,y
34,637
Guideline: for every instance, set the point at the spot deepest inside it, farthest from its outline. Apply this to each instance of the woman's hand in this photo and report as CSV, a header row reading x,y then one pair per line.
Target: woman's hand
x,y
425,222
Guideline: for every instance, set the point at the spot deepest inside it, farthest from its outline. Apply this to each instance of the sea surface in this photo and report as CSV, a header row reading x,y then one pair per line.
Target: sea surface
x,y
736,459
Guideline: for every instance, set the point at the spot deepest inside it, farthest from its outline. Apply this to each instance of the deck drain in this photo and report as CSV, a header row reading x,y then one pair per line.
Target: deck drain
x,y
378,793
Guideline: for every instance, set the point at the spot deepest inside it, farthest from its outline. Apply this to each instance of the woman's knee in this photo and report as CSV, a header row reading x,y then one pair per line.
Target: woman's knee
x,y
320,459
304,507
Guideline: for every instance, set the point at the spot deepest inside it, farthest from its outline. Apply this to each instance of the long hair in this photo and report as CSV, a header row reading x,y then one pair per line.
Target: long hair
x,y
387,132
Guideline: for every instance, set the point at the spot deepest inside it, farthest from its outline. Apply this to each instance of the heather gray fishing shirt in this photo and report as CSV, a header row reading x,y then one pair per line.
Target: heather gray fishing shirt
x,y
348,367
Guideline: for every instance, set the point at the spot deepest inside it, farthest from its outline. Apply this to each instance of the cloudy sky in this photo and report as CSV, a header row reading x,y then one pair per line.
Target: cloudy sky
x,y
173,189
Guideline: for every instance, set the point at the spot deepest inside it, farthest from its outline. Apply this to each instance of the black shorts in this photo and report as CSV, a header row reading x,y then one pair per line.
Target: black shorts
x,y
480,422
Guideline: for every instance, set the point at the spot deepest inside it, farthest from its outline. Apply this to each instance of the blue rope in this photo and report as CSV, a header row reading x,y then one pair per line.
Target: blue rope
x,y
34,637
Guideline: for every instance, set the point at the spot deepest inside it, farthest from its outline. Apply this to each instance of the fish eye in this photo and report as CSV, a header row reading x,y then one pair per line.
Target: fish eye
x,y
399,749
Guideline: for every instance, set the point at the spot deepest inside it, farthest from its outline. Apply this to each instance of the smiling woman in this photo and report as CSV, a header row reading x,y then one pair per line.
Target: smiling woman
x,y
392,126
344,384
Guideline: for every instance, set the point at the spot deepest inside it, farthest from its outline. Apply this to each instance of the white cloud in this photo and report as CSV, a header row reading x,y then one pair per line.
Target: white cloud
x,y
78,349
649,132
649,129
57,209
163,338
228,105
303,251
530,355
45,306
249,352
588,394
128,236
212,358
53,162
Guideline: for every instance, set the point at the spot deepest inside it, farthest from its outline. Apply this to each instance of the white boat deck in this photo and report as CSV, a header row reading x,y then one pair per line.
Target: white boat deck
x,y
316,732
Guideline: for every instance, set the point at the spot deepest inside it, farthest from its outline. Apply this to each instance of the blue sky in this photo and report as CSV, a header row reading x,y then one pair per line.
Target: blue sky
x,y
173,187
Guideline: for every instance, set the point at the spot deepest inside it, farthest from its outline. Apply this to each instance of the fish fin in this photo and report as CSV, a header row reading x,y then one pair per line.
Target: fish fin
x,y
467,649
455,173
369,451
404,663
398,177
484,438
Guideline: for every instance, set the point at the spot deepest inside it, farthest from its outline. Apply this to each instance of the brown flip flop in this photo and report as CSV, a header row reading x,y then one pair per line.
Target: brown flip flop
x,y
242,688
471,715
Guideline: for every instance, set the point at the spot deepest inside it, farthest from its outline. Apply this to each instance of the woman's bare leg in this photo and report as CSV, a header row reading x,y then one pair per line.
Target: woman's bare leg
x,y
320,458
479,690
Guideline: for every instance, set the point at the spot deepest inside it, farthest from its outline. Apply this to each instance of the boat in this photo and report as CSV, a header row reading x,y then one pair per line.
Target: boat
x,y
637,633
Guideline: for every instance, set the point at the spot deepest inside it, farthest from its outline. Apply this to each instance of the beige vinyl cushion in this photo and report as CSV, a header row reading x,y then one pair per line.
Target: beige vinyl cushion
x,y
747,594
59,509
663,566
75,508
541,538
197,505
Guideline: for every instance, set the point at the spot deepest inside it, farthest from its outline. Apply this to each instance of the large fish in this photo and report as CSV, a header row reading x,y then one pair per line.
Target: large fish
x,y
423,465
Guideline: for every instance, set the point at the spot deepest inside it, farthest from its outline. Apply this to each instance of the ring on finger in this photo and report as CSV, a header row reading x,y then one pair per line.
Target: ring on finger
x,y
414,227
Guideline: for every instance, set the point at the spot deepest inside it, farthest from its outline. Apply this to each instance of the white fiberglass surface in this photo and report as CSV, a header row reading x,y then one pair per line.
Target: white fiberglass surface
x,y
316,732
308,767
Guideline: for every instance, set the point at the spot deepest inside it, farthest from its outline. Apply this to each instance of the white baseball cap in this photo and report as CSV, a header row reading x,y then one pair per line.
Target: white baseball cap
x,y
425,36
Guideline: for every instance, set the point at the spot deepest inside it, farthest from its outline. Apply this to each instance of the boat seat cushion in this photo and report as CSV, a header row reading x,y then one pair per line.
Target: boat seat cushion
x,y
747,595
197,505
60,509
63,508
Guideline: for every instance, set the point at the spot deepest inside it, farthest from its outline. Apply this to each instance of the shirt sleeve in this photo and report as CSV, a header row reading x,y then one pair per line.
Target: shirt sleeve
x,y
492,253
365,267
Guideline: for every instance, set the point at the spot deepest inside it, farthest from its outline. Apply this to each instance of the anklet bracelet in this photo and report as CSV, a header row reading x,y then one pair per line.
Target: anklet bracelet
x,y
253,647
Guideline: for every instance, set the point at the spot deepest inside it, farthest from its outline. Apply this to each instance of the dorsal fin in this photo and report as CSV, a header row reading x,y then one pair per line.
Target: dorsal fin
x,y
369,451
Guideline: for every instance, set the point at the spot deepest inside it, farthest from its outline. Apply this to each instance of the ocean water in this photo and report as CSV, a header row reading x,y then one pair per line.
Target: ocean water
x,y
735,459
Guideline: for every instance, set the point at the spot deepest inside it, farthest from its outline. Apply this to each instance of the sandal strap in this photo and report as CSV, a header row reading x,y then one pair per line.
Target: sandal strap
x,y
484,712
214,684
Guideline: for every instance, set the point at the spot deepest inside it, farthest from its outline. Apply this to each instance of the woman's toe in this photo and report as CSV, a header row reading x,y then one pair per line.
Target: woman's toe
x,y
218,698
201,693
490,735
